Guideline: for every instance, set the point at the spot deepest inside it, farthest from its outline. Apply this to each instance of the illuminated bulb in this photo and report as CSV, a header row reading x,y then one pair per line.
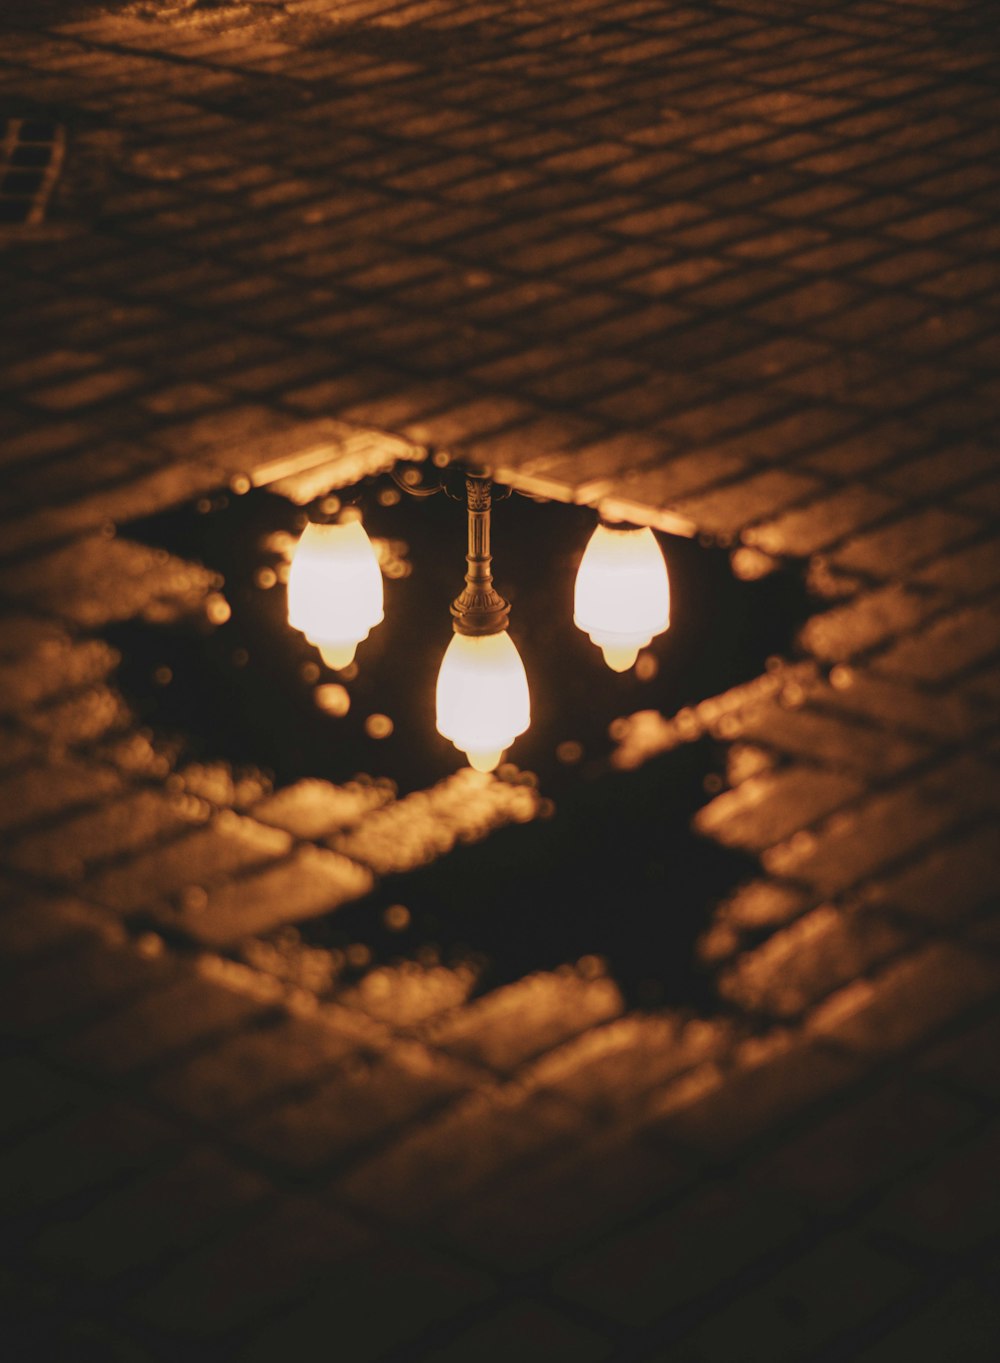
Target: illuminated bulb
x,y
482,696
335,589
622,596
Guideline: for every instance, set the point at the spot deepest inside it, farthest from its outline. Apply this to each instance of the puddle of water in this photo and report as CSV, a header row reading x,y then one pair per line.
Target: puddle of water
x,y
615,870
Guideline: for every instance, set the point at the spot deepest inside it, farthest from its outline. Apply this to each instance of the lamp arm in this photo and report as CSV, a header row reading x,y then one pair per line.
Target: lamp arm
x,y
479,608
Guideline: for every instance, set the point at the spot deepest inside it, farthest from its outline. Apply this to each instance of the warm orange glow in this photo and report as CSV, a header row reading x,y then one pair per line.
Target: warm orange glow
x,y
335,589
622,597
482,697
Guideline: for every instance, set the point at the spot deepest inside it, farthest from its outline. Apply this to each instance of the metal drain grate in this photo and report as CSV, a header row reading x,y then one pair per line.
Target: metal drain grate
x,y
31,158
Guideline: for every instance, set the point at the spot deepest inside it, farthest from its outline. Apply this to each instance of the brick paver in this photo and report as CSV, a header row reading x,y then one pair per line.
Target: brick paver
x,y
730,268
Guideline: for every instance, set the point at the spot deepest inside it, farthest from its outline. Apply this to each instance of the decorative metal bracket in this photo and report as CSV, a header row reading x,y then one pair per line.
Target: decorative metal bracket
x,y
449,478
479,609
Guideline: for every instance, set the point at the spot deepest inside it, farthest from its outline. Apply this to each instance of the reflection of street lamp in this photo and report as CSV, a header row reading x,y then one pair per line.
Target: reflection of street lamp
x,y
482,690
622,596
622,600
335,588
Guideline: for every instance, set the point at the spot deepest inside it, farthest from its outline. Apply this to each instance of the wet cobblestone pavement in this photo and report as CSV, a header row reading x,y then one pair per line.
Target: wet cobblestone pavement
x,y
728,269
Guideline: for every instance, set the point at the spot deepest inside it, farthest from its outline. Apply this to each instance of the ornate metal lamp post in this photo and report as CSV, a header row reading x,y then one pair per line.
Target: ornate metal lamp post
x,y
482,689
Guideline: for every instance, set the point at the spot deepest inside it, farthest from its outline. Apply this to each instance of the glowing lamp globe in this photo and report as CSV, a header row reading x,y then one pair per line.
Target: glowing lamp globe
x,y
335,589
482,696
622,596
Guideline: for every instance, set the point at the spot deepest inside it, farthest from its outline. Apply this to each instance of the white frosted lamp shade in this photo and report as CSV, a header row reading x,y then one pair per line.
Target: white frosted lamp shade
x,y
482,696
335,589
622,595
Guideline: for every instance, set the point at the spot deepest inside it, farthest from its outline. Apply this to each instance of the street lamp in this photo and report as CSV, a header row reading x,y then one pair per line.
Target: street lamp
x,y
335,587
621,600
482,689
622,594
